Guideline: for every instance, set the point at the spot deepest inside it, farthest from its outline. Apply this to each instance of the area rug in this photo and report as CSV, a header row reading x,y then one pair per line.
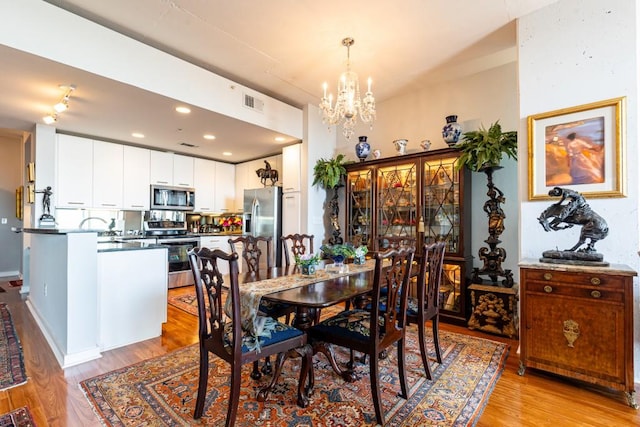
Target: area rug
x,y
20,417
12,371
185,302
162,390
16,283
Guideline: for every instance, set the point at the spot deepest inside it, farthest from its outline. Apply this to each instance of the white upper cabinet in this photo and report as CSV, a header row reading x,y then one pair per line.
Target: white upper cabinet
x,y
136,192
74,176
242,172
225,190
161,168
171,169
182,171
291,165
204,178
107,175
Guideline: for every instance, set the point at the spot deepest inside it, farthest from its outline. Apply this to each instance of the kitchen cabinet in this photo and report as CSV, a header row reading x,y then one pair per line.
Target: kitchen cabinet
x,y
74,176
161,168
241,175
291,164
108,164
225,191
291,213
136,194
183,171
171,169
204,179
222,243
577,321
392,196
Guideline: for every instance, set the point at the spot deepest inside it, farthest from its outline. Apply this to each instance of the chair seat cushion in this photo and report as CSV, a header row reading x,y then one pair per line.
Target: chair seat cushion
x,y
352,324
412,306
272,333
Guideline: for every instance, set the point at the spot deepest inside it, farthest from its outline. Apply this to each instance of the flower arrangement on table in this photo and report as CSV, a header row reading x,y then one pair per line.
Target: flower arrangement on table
x,y
307,262
339,253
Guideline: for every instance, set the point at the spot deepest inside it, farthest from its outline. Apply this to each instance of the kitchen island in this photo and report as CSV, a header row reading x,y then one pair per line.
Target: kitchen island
x,y
88,297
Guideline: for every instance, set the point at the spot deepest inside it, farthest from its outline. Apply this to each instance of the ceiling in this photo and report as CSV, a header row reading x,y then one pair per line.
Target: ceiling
x,y
284,49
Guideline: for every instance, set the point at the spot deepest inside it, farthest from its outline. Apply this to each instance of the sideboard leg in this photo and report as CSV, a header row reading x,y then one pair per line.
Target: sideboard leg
x,y
631,398
521,369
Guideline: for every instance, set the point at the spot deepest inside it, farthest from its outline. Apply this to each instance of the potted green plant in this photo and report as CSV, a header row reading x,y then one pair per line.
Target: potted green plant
x,y
485,147
330,174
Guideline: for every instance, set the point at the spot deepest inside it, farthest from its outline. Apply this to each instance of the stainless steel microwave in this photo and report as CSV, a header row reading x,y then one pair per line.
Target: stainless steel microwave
x,y
172,198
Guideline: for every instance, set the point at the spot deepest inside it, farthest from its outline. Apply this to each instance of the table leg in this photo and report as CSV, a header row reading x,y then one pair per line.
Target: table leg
x,y
303,321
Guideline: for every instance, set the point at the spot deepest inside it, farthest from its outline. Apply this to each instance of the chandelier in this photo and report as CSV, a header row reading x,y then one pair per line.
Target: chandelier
x,y
348,104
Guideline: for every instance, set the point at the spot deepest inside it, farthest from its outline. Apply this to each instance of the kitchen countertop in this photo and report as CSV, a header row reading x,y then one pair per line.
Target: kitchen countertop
x,y
129,246
52,230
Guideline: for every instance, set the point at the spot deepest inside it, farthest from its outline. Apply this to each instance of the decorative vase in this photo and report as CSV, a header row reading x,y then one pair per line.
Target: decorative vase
x,y
359,260
425,144
308,270
338,260
377,153
451,131
401,146
362,148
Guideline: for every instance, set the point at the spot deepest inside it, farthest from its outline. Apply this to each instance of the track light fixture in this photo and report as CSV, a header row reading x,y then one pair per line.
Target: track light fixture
x,y
61,106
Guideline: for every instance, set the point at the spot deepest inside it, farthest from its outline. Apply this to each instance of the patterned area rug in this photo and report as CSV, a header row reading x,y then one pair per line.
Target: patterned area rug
x,y
20,417
185,302
12,371
162,391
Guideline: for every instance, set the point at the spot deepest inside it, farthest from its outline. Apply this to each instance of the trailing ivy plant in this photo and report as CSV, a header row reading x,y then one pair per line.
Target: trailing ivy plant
x,y
485,147
329,173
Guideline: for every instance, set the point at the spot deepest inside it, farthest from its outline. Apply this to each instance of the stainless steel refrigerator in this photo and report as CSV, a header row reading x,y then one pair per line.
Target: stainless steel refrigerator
x,y
263,217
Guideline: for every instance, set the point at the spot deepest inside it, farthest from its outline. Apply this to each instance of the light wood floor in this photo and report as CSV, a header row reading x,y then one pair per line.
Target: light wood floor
x,y
55,399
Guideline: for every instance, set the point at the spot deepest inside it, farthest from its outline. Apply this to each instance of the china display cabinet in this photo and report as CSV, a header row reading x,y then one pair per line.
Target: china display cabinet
x,y
359,207
404,195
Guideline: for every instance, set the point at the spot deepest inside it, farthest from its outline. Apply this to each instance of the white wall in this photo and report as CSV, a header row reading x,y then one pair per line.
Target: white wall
x,y
478,99
571,53
318,143
10,179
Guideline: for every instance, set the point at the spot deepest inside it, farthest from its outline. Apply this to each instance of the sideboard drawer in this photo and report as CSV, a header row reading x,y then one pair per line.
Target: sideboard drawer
x,y
587,292
585,278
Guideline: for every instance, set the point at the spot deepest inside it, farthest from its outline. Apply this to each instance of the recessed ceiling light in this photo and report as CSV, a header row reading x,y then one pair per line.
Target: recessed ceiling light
x,y
137,135
279,139
209,136
227,153
183,110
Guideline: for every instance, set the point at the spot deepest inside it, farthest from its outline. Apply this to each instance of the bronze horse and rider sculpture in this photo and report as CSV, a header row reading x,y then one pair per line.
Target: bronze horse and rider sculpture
x,y
572,209
267,173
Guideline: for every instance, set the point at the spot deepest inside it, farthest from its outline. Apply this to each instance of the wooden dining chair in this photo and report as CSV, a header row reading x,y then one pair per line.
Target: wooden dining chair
x,y
425,306
372,331
225,338
252,251
300,244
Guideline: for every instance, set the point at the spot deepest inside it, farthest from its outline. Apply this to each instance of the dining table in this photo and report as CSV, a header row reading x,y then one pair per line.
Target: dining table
x,y
308,293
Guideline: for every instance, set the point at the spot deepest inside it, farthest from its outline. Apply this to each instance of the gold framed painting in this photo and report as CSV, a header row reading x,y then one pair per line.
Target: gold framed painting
x,y
581,148
31,172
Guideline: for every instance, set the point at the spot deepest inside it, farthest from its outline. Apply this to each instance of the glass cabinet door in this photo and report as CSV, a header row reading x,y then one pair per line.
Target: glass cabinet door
x,y
359,207
396,200
441,204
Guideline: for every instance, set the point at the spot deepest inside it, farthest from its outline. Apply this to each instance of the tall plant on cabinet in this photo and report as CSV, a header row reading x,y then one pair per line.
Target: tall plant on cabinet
x,y
330,174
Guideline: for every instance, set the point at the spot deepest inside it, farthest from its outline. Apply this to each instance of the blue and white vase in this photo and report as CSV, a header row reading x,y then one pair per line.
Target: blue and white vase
x,y
362,148
308,270
451,131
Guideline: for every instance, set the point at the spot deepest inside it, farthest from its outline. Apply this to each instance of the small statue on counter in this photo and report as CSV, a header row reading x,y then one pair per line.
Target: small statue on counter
x,y
267,173
46,203
572,209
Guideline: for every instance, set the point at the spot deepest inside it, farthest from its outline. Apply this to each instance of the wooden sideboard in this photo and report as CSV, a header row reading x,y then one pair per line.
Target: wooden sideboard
x,y
577,321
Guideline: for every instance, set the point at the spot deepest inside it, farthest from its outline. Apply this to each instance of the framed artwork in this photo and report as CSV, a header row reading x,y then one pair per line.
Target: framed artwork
x,y
581,148
31,172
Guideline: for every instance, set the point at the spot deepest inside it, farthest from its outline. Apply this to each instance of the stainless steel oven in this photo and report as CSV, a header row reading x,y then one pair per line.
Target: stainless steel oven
x,y
178,249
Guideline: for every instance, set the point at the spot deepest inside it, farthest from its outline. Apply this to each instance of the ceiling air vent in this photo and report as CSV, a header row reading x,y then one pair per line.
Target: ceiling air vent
x,y
186,144
253,103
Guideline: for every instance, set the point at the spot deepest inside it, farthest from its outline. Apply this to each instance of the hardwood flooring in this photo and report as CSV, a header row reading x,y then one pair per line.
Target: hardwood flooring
x,y
55,399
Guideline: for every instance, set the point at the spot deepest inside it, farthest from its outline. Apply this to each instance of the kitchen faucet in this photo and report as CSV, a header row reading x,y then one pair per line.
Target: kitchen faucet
x,y
90,218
